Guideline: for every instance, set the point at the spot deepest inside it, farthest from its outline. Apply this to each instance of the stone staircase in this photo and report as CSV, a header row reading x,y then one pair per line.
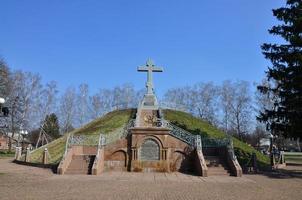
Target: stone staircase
x,y
80,164
216,167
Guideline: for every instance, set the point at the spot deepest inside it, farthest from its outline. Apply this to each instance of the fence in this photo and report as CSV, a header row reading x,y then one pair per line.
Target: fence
x,y
293,157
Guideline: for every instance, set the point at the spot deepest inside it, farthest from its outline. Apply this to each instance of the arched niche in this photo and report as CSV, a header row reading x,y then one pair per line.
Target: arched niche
x,y
150,150
119,155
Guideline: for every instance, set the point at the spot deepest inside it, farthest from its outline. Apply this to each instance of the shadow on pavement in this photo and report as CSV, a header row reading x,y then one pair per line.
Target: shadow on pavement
x,y
290,171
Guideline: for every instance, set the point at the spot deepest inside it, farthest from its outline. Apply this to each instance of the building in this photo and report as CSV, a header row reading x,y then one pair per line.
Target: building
x,y
4,141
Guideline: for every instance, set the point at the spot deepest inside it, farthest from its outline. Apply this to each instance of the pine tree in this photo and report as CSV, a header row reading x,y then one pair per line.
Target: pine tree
x,y
4,79
51,126
284,118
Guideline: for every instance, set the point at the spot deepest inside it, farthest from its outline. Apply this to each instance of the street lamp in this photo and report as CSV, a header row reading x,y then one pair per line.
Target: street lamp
x,y
272,157
2,100
23,133
4,110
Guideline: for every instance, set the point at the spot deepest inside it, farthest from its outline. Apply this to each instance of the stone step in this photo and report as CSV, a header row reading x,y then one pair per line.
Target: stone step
x,y
82,155
212,157
79,158
68,171
218,173
78,167
214,161
216,167
80,164
79,161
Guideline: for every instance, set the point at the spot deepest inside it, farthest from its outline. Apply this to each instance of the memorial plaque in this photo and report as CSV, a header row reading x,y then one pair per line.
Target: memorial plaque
x,y
149,150
149,101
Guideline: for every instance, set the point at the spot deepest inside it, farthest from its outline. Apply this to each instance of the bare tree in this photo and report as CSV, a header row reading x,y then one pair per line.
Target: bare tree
x,y
107,99
226,99
96,106
179,98
264,101
206,101
82,99
67,109
47,103
24,90
128,96
200,100
121,97
236,104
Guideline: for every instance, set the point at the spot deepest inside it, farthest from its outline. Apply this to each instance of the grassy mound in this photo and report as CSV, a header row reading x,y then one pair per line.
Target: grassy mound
x,y
196,126
106,125
113,121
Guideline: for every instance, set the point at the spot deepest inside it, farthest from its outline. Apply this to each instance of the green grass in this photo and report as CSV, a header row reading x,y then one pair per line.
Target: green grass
x,y
6,154
106,125
293,157
113,121
197,126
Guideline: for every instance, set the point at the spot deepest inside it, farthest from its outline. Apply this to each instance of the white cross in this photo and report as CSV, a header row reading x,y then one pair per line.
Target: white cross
x,y
149,68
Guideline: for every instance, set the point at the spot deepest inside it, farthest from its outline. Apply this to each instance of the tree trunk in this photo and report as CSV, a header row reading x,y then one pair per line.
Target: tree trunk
x,y
298,144
9,144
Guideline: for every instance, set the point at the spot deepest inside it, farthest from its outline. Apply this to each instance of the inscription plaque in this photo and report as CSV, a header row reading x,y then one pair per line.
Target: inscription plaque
x,y
150,150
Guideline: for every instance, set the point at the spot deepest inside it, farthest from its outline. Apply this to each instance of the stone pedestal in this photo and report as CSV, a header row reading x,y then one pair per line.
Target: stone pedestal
x,y
27,156
18,153
150,150
154,149
45,156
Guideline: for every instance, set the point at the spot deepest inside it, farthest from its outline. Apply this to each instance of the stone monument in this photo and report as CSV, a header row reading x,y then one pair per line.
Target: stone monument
x,y
149,143
148,108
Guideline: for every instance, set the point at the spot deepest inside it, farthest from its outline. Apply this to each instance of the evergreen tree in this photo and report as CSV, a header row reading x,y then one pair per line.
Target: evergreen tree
x,y
51,126
4,79
284,117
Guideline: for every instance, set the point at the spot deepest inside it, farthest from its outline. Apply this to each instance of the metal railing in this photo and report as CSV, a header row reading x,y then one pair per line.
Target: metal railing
x,y
84,140
180,133
183,135
214,142
230,148
120,133
199,142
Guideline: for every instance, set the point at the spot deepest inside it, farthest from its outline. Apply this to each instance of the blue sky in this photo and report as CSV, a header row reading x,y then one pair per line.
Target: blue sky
x,y
101,43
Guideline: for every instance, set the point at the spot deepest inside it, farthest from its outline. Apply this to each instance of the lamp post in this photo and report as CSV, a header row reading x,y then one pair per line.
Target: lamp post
x,y
23,133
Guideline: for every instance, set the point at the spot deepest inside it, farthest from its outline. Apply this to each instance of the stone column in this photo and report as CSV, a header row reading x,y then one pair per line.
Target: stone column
x,y
45,156
167,154
282,157
18,153
134,153
27,156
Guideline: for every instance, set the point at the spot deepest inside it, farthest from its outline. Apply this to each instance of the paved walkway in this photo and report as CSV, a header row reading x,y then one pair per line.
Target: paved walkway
x,y
23,182
154,178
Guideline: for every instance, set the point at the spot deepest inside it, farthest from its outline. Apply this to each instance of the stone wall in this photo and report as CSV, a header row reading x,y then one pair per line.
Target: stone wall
x,y
116,155
174,154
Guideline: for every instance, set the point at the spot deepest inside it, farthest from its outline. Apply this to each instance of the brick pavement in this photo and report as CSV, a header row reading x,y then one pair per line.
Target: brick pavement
x,y
23,182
